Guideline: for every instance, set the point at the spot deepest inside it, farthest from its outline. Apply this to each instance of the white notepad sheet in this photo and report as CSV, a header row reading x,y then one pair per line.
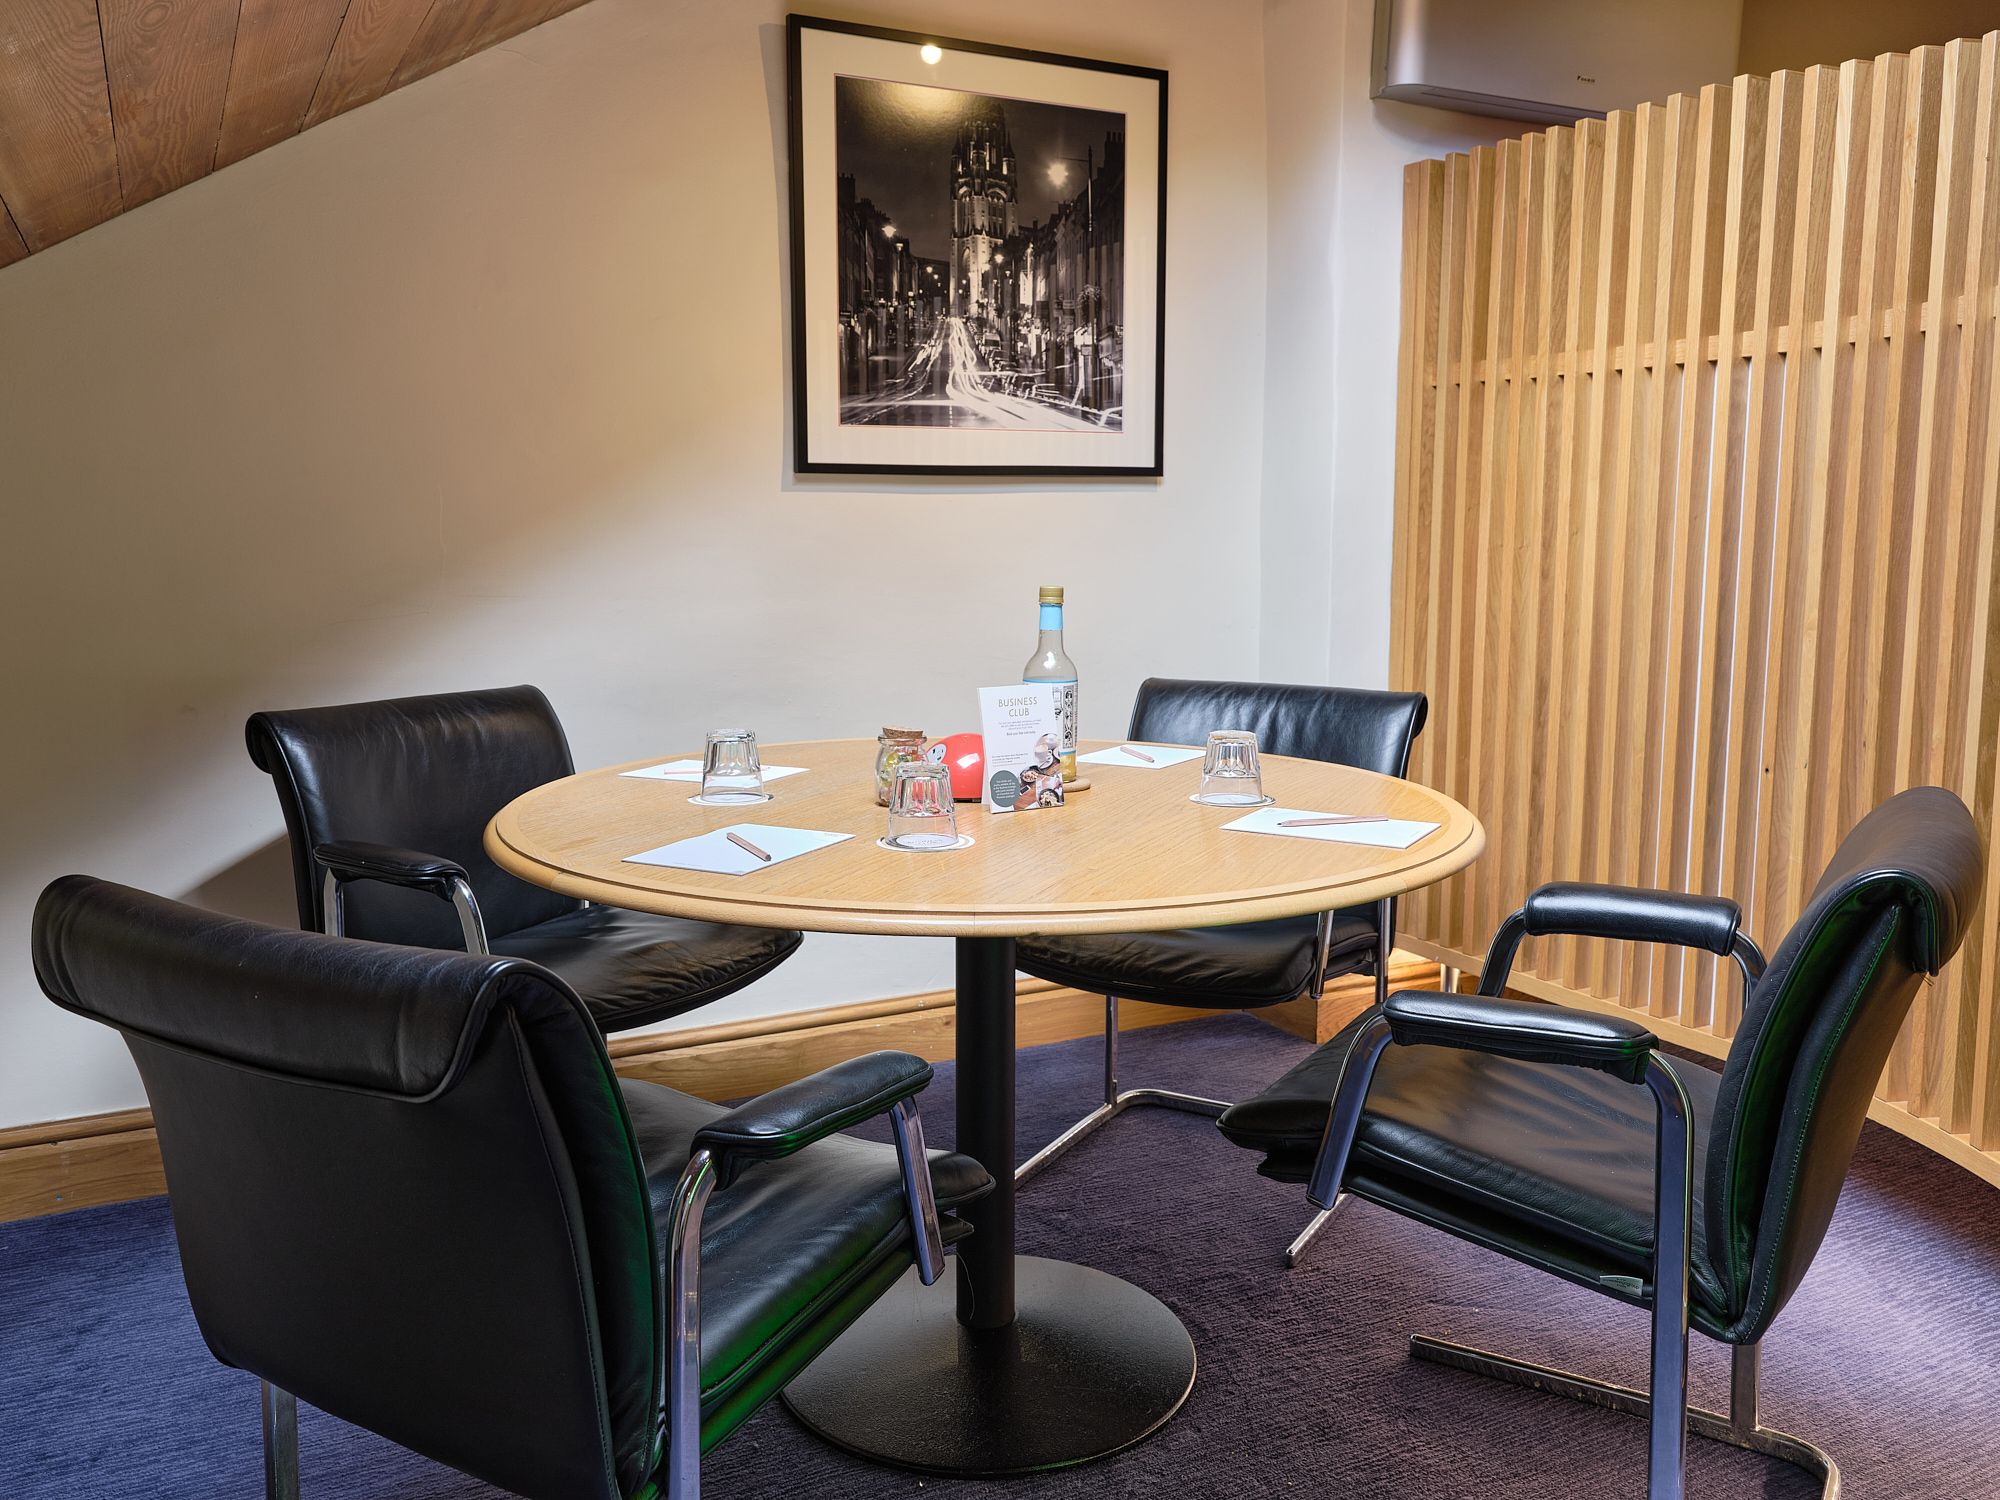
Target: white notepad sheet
x,y
1396,833
713,852
1163,756
690,770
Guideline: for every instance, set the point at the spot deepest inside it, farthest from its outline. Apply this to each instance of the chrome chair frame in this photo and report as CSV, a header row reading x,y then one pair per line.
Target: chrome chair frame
x,y
1664,1406
471,925
682,1275
1117,1101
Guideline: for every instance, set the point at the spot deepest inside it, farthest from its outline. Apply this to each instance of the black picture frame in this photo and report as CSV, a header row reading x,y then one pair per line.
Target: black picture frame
x,y
804,459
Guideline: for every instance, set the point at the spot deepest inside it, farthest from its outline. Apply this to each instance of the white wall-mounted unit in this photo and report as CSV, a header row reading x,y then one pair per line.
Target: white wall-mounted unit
x,y
1551,61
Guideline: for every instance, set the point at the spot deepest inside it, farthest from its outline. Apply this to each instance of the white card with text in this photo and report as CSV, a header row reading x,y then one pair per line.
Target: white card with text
x,y
1022,725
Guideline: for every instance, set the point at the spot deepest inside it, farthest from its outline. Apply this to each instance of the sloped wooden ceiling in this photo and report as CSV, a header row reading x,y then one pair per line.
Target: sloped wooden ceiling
x,y
106,104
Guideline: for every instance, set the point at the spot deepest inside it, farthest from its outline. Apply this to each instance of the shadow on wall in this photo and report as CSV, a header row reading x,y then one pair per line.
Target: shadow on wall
x,y
257,886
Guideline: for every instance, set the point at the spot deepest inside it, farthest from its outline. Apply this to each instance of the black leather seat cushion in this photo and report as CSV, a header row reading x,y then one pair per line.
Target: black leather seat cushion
x,y
1240,966
1552,1165
792,1246
631,968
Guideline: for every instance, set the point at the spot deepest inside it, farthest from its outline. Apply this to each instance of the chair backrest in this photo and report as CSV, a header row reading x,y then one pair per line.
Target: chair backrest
x,y
416,773
1890,911
403,1181
1347,726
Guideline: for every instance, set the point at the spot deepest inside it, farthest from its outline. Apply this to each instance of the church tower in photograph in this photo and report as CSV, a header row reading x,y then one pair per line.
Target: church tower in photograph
x,y
982,213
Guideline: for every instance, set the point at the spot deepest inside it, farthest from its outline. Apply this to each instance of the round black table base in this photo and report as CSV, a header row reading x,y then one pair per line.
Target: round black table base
x,y
1090,1365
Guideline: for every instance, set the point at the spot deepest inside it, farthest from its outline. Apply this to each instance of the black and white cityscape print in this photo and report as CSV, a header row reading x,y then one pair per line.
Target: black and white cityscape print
x,y
981,260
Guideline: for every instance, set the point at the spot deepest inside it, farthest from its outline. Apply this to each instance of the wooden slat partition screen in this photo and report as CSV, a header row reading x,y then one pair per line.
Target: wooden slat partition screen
x,y
1697,481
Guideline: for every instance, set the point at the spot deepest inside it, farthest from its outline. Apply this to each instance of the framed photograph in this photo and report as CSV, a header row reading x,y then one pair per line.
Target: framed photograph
x,y
978,256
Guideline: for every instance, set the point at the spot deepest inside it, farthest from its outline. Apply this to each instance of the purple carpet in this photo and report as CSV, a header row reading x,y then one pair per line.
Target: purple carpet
x,y
1888,1356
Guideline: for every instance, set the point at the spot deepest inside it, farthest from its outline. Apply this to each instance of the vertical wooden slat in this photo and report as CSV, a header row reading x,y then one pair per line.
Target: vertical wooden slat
x,y
1729,551
1492,585
281,49
1862,500
1968,1102
1697,542
1510,391
1587,714
1946,420
1629,556
1441,590
1701,486
58,162
1667,393
1947,1036
1545,570
1464,576
1750,664
1800,520
169,70
1575,573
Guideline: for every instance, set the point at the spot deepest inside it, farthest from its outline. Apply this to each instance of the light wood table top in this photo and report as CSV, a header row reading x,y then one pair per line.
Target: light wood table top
x,y
1130,853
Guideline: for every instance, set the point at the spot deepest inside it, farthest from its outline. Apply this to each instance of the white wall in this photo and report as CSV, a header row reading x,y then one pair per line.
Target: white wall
x,y
487,383
1336,161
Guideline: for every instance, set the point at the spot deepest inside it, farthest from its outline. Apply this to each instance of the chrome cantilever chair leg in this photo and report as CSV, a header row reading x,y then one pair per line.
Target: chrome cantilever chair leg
x,y
281,1444
1740,1429
1671,1422
919,1192
1115,1103
1385,943
684,1328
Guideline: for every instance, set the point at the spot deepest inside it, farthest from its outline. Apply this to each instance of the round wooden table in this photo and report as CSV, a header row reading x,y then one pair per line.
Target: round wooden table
x,y
1027,1363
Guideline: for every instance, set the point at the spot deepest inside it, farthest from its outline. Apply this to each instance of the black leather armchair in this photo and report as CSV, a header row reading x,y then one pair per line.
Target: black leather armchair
x,y
387,805
1566,1140
1248,964
409,1189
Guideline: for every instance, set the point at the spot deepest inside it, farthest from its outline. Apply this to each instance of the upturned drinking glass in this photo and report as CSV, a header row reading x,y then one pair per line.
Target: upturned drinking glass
x,y
731,771
1230,776
922,816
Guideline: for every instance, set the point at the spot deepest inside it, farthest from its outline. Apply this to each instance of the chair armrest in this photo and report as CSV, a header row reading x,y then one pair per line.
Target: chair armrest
x,y
1634,915
1526,1030
1629,913
444,878
405,867
791,1117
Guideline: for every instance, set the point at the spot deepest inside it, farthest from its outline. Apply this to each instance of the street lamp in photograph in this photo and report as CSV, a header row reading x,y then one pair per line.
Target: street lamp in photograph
x,y
1088,292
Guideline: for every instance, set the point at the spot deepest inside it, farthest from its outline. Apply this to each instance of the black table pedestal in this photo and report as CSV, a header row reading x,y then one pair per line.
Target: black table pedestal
x,y
1016,1363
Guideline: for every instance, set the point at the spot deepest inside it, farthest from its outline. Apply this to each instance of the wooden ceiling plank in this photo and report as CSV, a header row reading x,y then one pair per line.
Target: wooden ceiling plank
x,y
452,33
169,69
282,48
12,246
373,37
58,160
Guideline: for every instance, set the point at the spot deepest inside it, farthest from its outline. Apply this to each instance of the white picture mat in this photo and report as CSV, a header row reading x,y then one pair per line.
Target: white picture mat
x,y
1394,833
825,54
714,853
690,770
1163,756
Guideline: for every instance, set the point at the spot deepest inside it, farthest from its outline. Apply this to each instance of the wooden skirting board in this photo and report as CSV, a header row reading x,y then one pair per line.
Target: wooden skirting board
x,y
80,1163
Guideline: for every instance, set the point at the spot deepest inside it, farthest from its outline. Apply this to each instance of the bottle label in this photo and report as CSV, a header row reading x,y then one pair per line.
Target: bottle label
x,y
1064,694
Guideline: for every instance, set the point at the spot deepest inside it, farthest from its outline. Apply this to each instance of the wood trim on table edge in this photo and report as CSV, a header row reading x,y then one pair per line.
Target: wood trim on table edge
x,y
59,1165
502,844
1926,1131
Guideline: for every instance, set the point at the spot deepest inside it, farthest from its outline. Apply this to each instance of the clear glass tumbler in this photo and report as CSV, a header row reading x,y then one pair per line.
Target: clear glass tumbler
x,y
922,815
1230,776
731,771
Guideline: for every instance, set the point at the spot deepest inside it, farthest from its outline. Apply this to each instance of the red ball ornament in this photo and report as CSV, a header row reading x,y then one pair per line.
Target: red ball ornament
x,y
965,754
